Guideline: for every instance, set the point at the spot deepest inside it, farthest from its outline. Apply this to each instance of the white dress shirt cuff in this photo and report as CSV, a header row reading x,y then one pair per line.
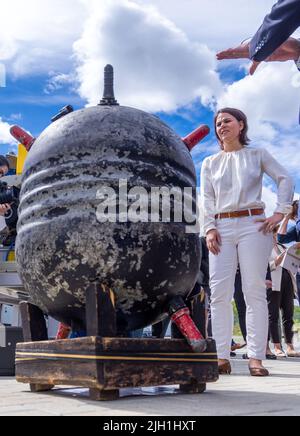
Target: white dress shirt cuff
x,y
284,209
209,228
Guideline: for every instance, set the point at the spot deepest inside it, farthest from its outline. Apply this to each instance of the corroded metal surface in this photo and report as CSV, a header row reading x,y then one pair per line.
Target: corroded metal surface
x,y
61,246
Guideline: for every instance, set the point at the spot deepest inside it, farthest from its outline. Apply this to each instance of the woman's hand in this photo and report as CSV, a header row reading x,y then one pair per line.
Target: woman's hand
x,y
269,224
214,242
4,208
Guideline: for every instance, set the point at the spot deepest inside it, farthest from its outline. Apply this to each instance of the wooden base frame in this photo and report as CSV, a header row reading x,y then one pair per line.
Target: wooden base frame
x,y
103,363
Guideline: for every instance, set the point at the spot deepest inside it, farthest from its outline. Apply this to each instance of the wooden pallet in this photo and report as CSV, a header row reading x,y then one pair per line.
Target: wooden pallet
x,y
104,363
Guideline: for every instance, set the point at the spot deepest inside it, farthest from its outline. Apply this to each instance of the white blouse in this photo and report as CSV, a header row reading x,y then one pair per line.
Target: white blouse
x,y
232,181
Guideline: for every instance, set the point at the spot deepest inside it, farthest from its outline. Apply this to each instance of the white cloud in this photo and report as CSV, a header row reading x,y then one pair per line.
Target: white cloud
x,y
58,81
36,36
7,143
157,66
271,96
5,136
269,197
213,22
15,117
285,149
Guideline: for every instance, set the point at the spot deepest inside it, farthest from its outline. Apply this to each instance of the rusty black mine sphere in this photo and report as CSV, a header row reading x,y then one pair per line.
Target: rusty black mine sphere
x,y
61,245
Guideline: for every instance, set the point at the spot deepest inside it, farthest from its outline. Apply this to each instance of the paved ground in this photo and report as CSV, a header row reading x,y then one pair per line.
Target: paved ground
x,y
238,394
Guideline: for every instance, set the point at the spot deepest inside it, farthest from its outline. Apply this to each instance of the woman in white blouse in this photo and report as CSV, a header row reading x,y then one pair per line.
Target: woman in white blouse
x,y
238,231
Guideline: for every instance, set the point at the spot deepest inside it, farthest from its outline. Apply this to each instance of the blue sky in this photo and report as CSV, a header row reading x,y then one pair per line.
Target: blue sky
x,y
164,56
23,101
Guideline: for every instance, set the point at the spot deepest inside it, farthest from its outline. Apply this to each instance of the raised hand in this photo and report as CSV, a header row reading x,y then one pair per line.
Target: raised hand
x,y
242,51
239,52
288,51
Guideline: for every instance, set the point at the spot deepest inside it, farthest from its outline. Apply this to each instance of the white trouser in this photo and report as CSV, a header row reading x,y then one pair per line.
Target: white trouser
x,y
241,243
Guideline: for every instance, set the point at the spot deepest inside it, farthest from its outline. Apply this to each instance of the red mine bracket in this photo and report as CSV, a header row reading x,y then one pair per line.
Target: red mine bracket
x,y
195,137
63,332
22,137
181,316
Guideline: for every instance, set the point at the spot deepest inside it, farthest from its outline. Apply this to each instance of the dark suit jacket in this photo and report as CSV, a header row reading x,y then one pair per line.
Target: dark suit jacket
x,y
277,27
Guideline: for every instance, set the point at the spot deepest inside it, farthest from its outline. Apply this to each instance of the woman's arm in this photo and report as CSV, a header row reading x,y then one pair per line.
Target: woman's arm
x,y
285,185
284,181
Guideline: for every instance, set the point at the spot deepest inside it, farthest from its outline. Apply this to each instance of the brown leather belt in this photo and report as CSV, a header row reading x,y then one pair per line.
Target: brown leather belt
x,y
239,214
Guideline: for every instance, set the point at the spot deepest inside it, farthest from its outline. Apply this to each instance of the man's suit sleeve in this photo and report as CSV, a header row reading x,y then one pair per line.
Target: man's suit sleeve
x,y
277,27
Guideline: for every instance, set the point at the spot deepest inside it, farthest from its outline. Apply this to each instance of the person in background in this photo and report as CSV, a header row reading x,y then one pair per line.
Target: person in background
x,y
4,168
236,228
281,299
286,236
